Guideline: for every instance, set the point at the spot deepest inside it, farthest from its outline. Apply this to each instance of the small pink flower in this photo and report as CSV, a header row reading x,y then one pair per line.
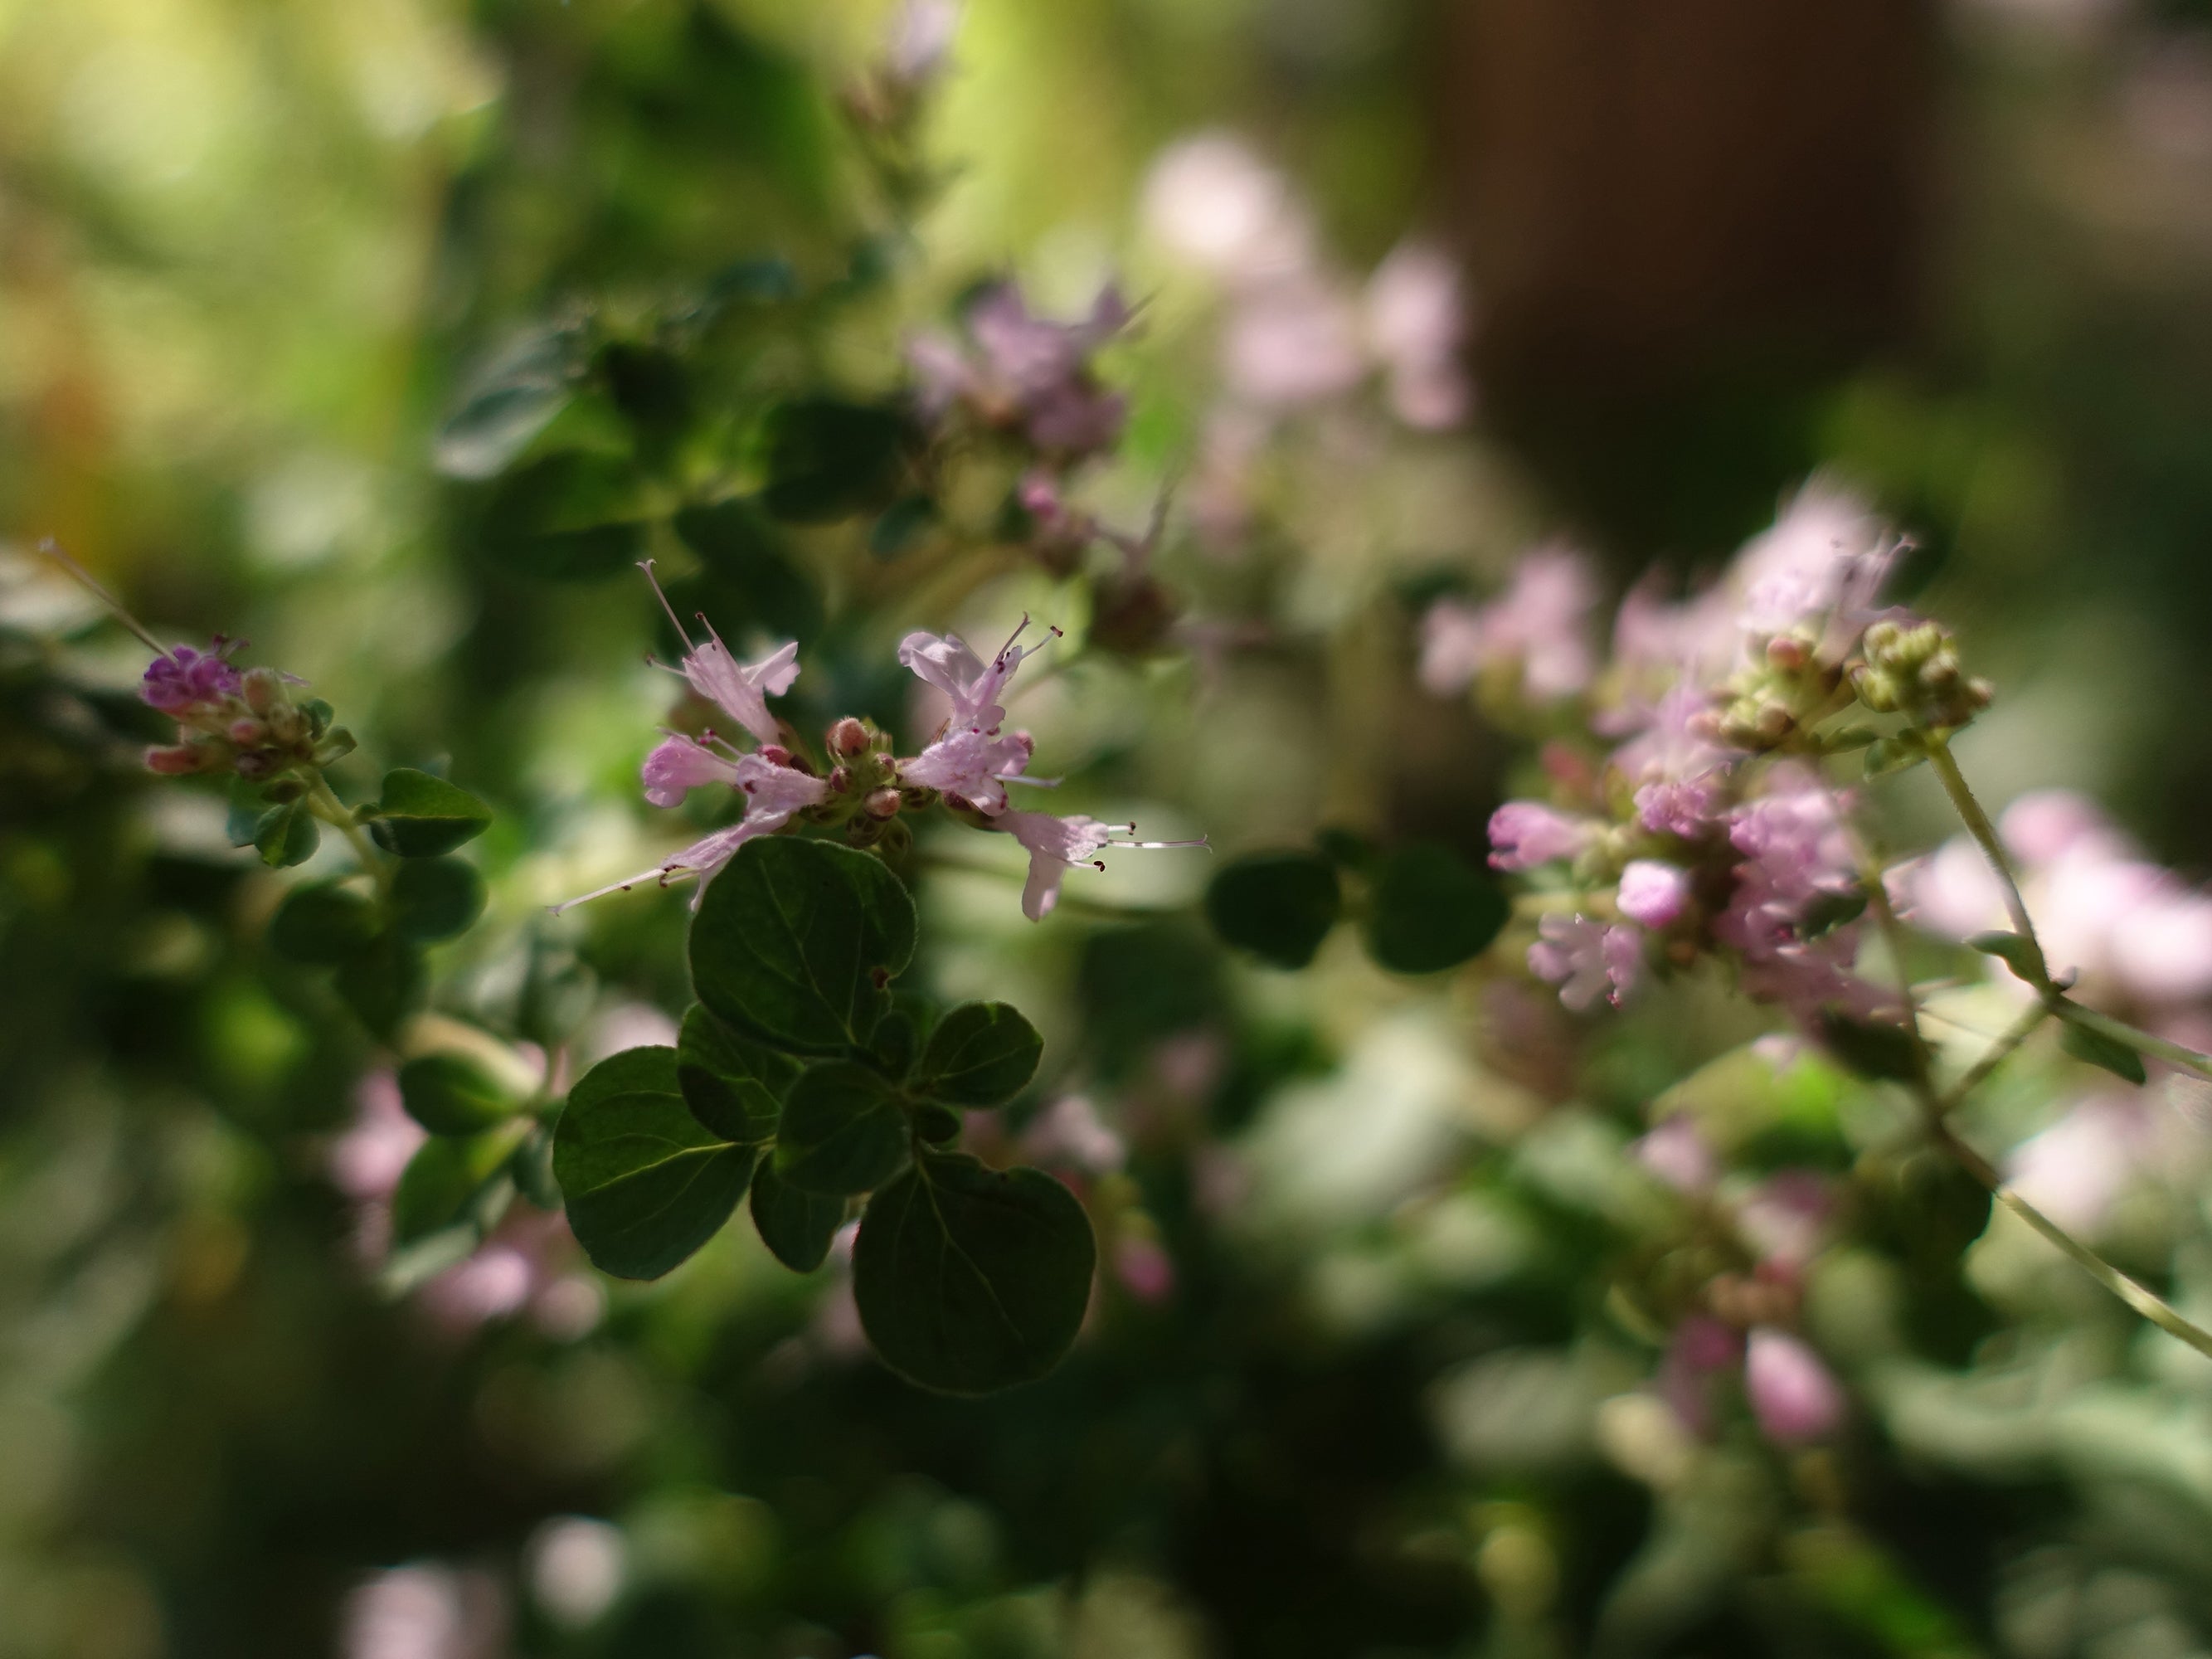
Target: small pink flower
x,y
1653,893
184,679
1786,1218
1586,959
1292,344
1677,1153
1540,622
972,686
1524,834
1026,372
1057,845
1146,1270
1070,1133
1794,1395
1415,326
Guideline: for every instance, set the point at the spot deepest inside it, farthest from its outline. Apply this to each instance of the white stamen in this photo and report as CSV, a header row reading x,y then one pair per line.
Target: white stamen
x,y
646,565
92,585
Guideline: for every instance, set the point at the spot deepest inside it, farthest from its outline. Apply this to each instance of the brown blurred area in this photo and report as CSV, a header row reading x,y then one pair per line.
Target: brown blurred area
x,y
1664,200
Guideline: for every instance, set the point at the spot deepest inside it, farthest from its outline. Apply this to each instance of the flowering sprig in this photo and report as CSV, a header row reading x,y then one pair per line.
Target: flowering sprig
x,y
1710,826
861,786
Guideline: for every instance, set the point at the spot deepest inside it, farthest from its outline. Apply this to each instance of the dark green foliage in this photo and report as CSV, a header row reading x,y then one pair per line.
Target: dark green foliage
x,y
734,1086
1872,1050
970,1280
796,1226
982,1053
435,898
420,816
572,516
647,1184
844,1130
1429,909
829,460
449,1095
797,942
1280,906
287,835
382,983
451,1181
322,921
750,582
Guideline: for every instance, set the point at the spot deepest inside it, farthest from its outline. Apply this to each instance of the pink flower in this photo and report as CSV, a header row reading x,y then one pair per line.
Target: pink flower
x,y
1824,560
1524,834
1028,373
1652,893
1676,1152
2044,824
1676,767
1586,959
2074,1170
1540,622
1415,327
741,690
1293,343
1144,1268
1057,845
1786,1218
1070,1134
972,687
184,679
921,35
1793,1394
966,763
1213,203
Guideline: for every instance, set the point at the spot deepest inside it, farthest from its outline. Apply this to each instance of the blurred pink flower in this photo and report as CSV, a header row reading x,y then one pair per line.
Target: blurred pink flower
x,y
1292,344
1678,1154
1415,327
1068,1133
1793,1394
1586,959
1541,621
1653,893
1524,834
1145,1269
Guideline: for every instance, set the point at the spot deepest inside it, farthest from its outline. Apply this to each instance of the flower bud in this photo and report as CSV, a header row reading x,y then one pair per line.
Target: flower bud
x,y
841,779
884,804
247,733
178,760
1793,1394
776,754
262,688
848,737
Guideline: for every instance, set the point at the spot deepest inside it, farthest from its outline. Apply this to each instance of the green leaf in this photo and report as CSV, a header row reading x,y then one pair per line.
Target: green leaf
x,y
504,405
645,1183
449,1095
1346,848
1871,1050
435,898
1829,911
2097,1049
1894,753
982,1053
2019,954
828,459
420,816
287,835
575,516
322,921
971,1280
750,583
906,523
649,384
1431,910
797,942
1280,906
450,1183
796,1226
733,1085
894,1042
248,806
843,1131
382,983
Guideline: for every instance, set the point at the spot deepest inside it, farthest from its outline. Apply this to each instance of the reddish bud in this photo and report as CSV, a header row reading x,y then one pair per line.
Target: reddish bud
x,y
177,762
841,779
883,803
848,738
776,754
246,733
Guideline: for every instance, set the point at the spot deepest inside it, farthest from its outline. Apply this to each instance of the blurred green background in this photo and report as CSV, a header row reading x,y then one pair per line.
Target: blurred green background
x,y
251,255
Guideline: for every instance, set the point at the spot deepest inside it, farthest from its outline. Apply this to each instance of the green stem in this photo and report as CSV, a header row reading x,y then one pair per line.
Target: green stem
x,y
1997,1052
323,802
1980,827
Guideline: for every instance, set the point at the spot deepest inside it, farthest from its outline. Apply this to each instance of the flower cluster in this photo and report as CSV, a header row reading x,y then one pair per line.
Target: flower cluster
x,y
1700,818
232,721
1019,374
861,785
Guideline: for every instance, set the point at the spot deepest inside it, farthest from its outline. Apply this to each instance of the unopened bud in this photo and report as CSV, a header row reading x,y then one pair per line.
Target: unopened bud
x,y
841,779
776,754
262,688
178,761
247,733
883,803
848,738
1788,654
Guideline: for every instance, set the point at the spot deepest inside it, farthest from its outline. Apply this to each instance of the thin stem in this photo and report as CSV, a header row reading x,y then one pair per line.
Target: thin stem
x,y
2138,1296
323,802
1996,1055
1980,827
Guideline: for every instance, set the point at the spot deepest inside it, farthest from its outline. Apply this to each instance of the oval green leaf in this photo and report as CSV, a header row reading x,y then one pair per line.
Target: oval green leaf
x,y
796,1226
982,1053
435,898
382,983
287,835
733,1085
796,943
449,1095
645,1183
843,1131
828,459
452,1182
322,921
970,1280
1431,910
1280,906
420,816
571,516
